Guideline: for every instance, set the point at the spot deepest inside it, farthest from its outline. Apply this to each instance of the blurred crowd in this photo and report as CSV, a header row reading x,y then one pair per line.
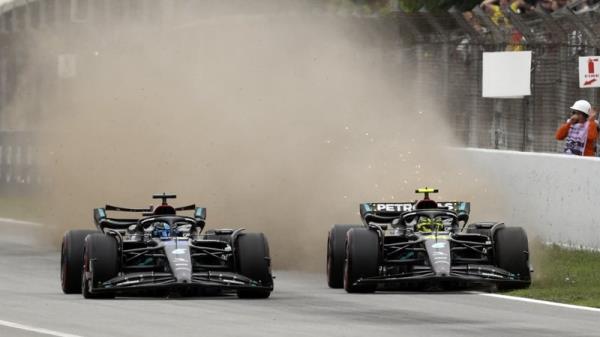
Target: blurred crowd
x,y
382,7
524,6
494,7
496,10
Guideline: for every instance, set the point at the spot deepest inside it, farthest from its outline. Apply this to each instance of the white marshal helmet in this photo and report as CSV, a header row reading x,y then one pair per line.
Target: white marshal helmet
x,y
582,106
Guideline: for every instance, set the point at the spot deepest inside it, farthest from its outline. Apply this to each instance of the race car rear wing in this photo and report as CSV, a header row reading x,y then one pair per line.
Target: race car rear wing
x,y
146,210
386,212
102,220
125,209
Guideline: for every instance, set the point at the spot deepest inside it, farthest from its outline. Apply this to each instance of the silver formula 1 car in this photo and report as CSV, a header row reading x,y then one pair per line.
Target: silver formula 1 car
x,y
163,252
425,244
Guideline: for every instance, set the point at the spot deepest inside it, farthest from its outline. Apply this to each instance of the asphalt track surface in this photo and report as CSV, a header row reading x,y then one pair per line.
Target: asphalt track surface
x,y
32,304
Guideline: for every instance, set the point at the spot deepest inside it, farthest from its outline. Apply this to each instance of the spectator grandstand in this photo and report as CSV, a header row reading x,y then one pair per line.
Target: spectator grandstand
x,y
520,6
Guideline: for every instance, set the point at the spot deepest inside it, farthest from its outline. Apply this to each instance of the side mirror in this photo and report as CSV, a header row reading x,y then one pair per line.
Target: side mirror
x,y
200,217
400,226
462,217
200,213
99,214
397,222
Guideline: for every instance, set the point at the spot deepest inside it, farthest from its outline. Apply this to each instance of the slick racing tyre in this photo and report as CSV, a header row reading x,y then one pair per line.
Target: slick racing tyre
x,y
362,259
71,260
512,253
254,262
336,254
101,263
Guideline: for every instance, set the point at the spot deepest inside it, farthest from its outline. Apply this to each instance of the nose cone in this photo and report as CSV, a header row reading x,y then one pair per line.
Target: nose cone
x,y
180,260
439,255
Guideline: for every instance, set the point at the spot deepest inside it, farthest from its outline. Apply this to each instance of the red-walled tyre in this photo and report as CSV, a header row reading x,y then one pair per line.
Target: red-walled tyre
x,y
336,254
71,260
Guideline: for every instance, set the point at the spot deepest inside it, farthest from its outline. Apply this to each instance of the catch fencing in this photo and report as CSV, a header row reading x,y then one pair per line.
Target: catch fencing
x,y
17,165
445,49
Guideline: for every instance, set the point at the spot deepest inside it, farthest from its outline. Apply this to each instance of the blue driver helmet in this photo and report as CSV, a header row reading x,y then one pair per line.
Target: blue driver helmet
x,y
161,230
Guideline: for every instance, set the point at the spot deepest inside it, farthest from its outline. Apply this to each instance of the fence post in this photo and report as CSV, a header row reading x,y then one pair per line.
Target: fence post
x,y
528,108
498,125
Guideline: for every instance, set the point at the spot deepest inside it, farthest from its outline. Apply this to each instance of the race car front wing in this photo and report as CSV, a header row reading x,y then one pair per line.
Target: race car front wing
x,y
206,279
469,274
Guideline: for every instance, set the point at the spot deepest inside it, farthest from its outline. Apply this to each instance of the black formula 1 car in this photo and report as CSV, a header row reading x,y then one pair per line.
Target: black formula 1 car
x,y
425,245
163,252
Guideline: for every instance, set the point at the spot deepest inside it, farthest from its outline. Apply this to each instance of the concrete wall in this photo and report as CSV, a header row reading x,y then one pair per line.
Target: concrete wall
x,y
555,197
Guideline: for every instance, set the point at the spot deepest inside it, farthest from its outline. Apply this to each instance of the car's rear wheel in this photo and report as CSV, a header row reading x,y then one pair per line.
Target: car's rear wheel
x,y
254,261
512,253
362,259
101,263
336,254
71,260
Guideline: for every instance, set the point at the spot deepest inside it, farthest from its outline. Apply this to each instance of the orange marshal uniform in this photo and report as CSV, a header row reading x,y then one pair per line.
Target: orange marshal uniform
x,y
592,136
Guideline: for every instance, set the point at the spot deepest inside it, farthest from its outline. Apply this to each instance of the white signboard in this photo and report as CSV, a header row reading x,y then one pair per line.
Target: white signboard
x,y
67,66
506,74
589,72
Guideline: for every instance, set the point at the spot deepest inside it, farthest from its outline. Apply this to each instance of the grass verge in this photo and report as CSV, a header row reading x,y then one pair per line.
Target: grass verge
x,y
564,275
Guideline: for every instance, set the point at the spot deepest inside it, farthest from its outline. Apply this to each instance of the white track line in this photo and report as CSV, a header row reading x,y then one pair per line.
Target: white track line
x,y
530,300
20,222
38,330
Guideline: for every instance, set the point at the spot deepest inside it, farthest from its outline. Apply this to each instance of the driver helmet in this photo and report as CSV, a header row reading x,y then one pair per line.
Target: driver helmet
x,y
161,230
428,225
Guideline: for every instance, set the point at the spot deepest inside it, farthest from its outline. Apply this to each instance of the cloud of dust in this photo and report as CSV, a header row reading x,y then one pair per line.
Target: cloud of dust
x,y
275,123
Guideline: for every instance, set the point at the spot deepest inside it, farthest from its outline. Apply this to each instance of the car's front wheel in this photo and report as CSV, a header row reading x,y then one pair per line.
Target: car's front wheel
x,y
101,263
254,261
512,253
362,260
